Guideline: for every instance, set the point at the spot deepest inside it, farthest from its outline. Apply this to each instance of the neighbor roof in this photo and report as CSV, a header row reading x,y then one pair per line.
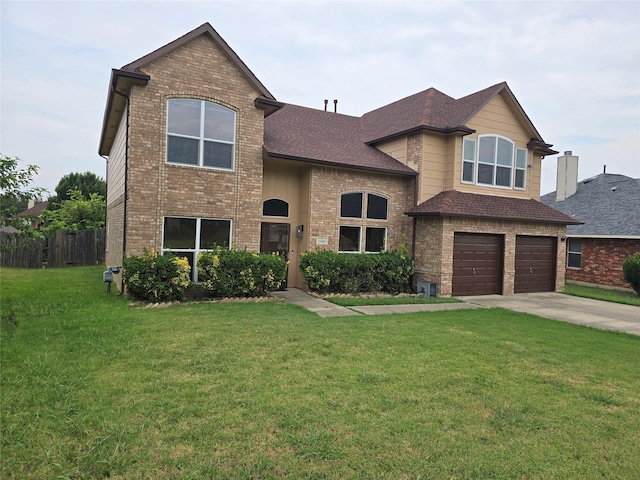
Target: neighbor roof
x,y
461,204
608,204
317,136
37,209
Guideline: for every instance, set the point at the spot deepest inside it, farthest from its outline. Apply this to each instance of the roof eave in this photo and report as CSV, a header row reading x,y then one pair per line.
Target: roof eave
x,y
506,219
412,173
463,129
268,105
121,81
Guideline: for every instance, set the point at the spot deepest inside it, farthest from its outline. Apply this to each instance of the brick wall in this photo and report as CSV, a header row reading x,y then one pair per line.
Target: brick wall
x,y
434,247
601,261
200,70
328,184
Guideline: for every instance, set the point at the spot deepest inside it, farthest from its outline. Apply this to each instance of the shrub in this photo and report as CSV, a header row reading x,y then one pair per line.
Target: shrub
x,y
631,271
156,278
327,271
238,273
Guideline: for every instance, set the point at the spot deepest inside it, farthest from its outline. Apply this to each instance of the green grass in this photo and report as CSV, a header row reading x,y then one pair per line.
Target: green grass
x,y
360,301
606,294
93,388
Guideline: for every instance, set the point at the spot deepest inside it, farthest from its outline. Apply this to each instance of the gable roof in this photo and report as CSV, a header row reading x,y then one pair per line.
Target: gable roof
x,y
461,204
433,110
124,78
608,204
37,209
317,136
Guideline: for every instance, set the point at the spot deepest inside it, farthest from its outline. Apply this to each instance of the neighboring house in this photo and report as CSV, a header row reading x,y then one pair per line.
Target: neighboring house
x,y
609,206
200,153
33,214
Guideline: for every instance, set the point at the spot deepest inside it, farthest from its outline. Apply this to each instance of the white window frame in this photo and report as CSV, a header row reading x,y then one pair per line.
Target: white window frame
x,y
384,240
523,169
359,227
577,253
201,138
198,248
471,155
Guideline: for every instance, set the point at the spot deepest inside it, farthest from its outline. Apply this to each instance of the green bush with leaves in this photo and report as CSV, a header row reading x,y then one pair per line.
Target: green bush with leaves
x,y
326,271
156,278
238,273
631,271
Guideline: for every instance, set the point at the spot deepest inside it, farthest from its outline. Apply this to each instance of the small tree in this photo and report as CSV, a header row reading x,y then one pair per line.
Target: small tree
x,y
87,183
631,271
15,189
78,213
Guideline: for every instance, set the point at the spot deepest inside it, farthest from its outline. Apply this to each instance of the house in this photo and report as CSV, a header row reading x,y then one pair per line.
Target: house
x,y
199,152
609,206
33,214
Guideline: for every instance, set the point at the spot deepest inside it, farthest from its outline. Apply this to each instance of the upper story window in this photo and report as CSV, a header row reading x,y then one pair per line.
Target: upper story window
x,y
494,161
376,207
200,133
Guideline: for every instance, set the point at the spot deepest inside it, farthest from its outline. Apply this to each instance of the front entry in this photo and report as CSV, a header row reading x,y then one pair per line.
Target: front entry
x,y
274,238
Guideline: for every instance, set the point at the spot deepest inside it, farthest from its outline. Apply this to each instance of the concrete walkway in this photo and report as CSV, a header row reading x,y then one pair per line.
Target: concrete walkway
x,y
556,306
568,308
328,309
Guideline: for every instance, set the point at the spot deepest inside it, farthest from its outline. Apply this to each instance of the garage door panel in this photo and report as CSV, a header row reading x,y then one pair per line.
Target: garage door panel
x,y
535,264
477,264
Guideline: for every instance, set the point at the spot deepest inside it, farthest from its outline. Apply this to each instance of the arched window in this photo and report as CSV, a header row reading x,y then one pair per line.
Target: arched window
x,y
200,133
275,207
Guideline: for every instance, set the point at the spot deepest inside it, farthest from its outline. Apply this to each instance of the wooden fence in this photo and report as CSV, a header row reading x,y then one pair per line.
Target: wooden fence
x,y
62,248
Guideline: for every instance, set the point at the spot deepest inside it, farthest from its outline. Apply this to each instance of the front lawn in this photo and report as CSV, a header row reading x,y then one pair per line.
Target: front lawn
x,y
94,388
606,294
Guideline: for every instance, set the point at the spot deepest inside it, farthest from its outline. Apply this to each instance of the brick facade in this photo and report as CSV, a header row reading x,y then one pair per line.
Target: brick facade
x,y
434,247
601,261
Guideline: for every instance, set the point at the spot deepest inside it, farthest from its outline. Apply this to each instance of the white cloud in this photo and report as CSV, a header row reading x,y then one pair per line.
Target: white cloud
x,y
574,66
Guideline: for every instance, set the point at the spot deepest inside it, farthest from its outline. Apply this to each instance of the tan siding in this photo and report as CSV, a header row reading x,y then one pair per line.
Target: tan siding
x,y
397,148
434,159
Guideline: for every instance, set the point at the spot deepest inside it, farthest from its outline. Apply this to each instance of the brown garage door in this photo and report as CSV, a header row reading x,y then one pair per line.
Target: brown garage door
x,y
535,264
477,264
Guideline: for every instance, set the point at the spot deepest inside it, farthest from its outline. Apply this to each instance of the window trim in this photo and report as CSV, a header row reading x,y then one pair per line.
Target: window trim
x,y
575,253
201,138
475,163
384,240
359,227
196,250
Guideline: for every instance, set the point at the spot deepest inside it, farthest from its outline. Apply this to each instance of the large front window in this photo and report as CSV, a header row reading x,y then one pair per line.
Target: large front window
x,y
186,237
200,133
373,223
493,161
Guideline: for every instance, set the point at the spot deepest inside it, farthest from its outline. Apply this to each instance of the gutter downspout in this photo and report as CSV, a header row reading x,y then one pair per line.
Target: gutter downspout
x,y
126,175
415,219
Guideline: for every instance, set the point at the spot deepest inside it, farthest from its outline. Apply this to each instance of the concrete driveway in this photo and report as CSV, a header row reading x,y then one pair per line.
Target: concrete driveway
x,y
568,308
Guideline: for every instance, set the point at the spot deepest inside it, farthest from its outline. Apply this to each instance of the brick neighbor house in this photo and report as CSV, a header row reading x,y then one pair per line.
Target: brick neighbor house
x,y
609,206
199,152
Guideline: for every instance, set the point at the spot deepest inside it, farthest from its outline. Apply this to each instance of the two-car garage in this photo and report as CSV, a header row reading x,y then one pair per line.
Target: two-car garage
x,y
478,264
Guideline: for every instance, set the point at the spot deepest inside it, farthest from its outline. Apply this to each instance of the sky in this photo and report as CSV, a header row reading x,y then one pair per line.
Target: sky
x,y
573,66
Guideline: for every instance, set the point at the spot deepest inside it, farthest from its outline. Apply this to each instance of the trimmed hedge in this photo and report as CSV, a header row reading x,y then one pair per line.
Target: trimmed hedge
x,y
156,278
326,271
238,273
631,271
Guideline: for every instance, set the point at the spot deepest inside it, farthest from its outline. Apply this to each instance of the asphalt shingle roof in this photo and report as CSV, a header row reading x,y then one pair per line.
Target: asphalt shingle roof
x,y
308,134
608,204
461,204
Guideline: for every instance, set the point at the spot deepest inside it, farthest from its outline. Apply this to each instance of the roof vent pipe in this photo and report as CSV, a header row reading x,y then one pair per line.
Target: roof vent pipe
x,y
325,104
335,106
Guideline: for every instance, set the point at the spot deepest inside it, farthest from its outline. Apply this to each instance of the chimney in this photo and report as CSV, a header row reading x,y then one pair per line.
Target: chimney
x,y
31,203
567,176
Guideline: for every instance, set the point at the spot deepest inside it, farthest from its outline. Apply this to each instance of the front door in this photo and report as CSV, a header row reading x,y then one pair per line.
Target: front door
x,y
274,238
